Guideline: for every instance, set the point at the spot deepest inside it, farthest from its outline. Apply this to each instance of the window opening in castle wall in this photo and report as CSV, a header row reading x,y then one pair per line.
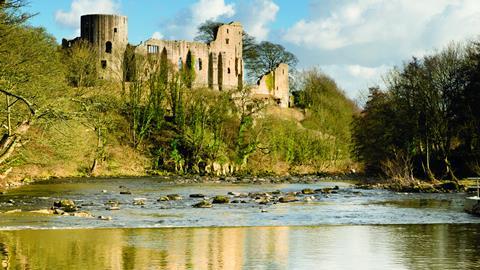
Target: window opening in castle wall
x,y
152,49
108,47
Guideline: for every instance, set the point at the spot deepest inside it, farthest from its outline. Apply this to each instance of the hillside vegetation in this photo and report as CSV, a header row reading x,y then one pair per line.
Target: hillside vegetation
x,y
58,120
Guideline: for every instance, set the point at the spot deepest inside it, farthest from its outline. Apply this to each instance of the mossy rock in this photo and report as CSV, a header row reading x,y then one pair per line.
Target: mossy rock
x,y
163,199
308,191
66,205
220,199
287,199
174,197
203,204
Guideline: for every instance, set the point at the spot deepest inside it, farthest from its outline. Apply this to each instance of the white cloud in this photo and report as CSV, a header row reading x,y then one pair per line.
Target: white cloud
x,y
157,35
71,18
358,41
353,78
255,16
394,21
366,73
205,10
187,21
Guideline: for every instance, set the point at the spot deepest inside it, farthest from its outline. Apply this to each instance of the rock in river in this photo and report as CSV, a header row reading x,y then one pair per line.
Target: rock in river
x,y
197,195
203,204
163,199
174,197
308,191
139,201
287,199
66,205
220,199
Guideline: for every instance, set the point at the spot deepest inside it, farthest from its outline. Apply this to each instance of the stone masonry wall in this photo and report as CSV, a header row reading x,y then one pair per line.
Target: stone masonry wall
x,y
218,65
274,85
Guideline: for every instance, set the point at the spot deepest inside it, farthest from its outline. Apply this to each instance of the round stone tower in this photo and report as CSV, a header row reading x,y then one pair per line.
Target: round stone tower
x,y
109,36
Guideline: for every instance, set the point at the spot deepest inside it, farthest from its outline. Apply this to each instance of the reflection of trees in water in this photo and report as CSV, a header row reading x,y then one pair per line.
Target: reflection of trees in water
x,y
179,248
406,246
3,255
444,246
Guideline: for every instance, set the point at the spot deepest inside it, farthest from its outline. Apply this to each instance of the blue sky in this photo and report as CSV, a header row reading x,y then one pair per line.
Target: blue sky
x,y
354,41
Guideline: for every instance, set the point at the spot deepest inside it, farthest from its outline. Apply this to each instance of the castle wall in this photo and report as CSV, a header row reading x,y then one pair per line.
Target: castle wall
x,y
218,65
177,52
228,47
274,85
109,35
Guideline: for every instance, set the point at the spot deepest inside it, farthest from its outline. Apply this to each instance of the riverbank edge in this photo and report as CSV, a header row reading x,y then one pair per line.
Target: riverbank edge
x,y
356,179
360,181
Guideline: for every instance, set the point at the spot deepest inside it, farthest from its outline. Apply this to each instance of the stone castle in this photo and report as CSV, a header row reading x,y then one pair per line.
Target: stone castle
x,y
218,64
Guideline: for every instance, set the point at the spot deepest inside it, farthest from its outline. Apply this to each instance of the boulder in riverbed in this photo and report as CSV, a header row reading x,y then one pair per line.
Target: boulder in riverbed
x,y
203,204
221,199
139,201
66,205
287,199
263,200
308,191
174,197
197,195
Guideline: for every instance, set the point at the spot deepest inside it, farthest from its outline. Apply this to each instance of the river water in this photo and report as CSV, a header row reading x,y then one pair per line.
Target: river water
x,y
352,229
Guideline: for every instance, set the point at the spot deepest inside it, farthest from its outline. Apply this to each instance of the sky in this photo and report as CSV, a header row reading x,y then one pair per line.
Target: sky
x,y
356,42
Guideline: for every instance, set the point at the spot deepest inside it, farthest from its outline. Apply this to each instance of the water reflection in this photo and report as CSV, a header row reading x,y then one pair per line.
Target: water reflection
x,y
328,247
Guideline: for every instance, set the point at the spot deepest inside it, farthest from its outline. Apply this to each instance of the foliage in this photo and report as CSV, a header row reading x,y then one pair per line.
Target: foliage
x,y
30,76
427,113
80,62
207,31
267,57
259,58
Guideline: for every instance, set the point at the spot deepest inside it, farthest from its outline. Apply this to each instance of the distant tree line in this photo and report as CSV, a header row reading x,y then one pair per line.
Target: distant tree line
x,y
426,122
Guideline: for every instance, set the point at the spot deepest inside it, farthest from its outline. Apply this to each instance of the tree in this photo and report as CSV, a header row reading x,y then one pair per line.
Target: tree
x,y
430,120
30,75
207,31
80,62
266,57
259,58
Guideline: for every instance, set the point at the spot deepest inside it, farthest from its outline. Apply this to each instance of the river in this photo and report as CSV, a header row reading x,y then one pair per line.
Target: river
x,y
350,229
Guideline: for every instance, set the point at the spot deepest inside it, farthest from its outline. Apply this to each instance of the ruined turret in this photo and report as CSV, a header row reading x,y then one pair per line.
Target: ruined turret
x,y
109,36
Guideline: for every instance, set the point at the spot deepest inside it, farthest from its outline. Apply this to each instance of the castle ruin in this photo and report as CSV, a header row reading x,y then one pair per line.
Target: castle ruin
x,y
218,64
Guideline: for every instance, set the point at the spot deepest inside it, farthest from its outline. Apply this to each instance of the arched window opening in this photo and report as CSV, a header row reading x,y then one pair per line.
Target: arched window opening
x,y
180,63
228,70
199,63
227,41
108,47
104,64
